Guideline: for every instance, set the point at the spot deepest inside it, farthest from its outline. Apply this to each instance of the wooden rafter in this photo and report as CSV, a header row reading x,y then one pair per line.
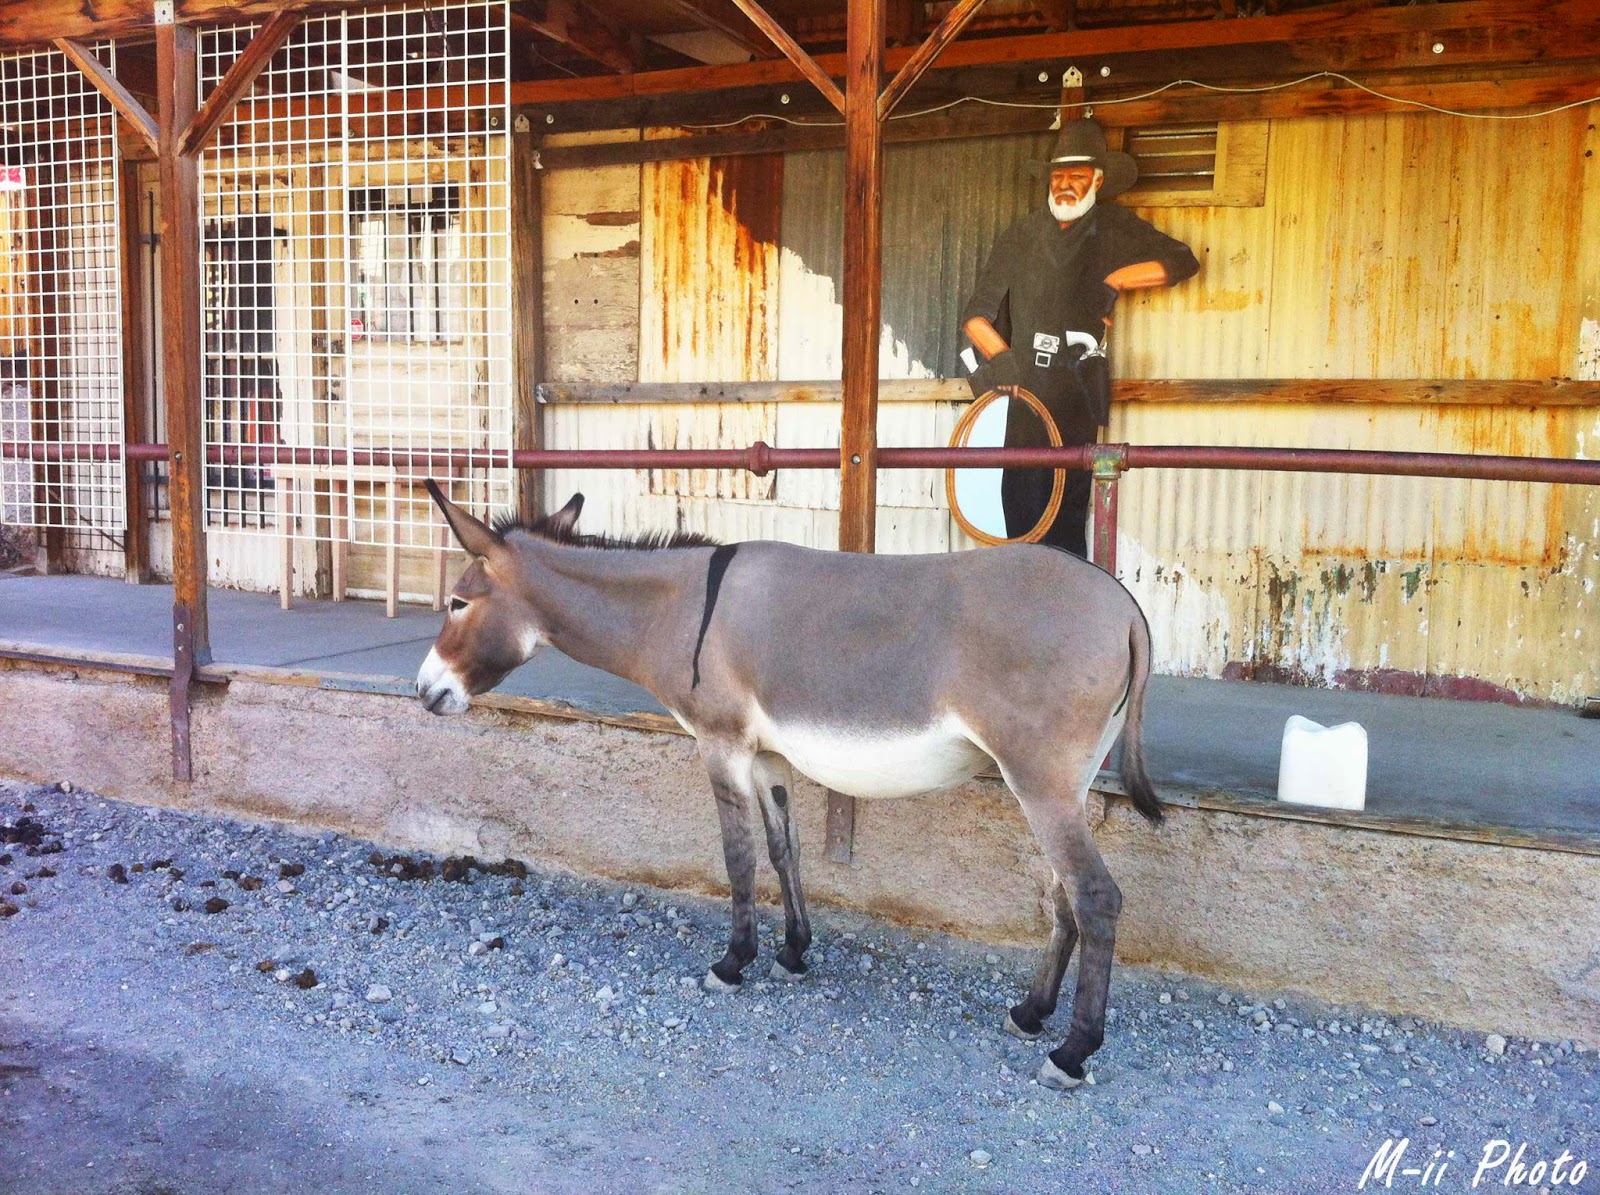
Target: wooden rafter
x,y
925,55
724,17
563,21
1498,32
220,103
802,61
118,96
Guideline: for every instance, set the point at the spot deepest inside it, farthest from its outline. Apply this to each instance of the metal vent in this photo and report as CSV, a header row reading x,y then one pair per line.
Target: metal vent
x,y
1174,157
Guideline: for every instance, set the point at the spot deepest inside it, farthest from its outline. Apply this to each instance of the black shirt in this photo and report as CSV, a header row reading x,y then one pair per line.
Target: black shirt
x,y
1054,277
1042,280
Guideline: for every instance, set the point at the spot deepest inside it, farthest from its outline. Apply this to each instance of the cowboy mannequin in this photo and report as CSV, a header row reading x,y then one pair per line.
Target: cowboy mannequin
x,y
1048,288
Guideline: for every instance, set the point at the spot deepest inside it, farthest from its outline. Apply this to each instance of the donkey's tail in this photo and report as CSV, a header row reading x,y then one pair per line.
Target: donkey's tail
x,y
1134,778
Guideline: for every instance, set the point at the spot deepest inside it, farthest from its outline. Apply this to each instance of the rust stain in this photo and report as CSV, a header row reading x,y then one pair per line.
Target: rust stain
x,y
611,219
1393,681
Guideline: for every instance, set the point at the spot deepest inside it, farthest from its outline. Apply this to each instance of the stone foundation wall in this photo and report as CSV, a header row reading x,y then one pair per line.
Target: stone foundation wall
x,y
1474,934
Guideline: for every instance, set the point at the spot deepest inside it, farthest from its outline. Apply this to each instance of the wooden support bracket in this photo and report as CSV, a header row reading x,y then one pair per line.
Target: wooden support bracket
x,y
106,83
792,50
926,54
220,103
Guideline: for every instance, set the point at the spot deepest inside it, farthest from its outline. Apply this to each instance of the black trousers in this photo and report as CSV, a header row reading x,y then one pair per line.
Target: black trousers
x,y
1024,495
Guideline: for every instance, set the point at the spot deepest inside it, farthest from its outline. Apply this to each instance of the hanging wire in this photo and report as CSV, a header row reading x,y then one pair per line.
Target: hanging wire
x,y
1165,87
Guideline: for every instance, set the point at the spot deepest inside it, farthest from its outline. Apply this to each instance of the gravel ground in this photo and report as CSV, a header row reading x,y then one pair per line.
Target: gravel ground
x,y
356,1021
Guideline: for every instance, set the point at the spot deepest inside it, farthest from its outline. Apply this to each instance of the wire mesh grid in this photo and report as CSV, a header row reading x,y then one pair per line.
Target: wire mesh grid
x,y
60,308
356,244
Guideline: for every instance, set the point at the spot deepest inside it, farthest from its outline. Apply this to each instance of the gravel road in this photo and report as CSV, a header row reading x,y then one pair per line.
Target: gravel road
x,y
350,1020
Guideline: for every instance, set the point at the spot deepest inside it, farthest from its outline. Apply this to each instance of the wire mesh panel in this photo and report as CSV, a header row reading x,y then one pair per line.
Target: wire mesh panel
x,y
356,241
60,310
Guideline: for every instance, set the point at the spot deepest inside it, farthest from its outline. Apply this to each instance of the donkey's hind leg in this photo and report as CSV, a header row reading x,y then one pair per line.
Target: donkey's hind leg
x,y
733,785
774,782
1026,1020
1054,807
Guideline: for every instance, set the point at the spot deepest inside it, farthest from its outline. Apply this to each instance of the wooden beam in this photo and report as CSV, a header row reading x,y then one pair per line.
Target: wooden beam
x,y
724,17
135,378
1183,106
1473,31
1188,105
46,20
563,21
176,70
792,51
241,75
118,96
926,55
527,306
1505,392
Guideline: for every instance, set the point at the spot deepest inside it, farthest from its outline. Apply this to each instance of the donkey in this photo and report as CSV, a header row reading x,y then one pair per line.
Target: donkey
x,y
876,676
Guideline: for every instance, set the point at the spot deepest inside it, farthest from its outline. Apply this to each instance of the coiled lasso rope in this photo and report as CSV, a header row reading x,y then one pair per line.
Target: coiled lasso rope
x,y
963,433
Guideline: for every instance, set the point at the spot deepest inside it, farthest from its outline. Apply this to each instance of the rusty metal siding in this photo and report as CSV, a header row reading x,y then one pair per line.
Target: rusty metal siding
x,y
1388,247
944,204
708,309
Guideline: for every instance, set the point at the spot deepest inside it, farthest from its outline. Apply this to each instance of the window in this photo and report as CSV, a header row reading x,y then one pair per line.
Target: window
x,y
408,269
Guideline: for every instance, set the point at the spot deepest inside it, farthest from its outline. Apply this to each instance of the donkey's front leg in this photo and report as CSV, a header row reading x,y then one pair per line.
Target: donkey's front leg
x,y
774,783
733,785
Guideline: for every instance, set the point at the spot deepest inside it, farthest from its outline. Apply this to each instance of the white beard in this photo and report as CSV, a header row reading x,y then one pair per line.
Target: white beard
x,y
1072,211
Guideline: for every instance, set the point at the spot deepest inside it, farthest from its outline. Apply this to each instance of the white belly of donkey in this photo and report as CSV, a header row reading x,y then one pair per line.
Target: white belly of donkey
x,y
874,762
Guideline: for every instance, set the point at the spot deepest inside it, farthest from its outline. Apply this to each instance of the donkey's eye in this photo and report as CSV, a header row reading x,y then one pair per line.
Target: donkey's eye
x,y
457,605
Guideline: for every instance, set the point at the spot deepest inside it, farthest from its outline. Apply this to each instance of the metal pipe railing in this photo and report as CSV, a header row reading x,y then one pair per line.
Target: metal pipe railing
x,y
761,458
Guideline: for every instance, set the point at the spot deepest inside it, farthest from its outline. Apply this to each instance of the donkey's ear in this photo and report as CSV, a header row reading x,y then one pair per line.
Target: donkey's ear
x,y
566,518
475,537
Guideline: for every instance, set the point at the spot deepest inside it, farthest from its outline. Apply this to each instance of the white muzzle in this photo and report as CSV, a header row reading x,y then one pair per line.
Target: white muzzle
x,y
439,688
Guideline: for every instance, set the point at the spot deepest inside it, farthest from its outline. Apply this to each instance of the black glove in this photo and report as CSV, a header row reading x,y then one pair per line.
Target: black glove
x,y
1000,370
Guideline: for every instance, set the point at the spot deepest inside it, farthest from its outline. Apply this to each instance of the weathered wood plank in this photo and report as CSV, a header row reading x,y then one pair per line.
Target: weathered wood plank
x,y
1448,392
1189,106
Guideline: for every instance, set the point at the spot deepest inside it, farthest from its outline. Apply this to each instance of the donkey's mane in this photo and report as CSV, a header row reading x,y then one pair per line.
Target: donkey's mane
x,y
545,527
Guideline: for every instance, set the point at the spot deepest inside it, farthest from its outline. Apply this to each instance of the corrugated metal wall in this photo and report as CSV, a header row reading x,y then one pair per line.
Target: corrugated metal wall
x,y
1412,246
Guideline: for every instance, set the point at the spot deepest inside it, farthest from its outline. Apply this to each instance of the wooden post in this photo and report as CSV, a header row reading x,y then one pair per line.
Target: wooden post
x,y
863,295
135,395
527,305
863,277
49,238
177,85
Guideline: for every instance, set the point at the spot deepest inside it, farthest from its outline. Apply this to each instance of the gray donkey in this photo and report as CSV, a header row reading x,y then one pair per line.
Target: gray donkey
x,y
877,676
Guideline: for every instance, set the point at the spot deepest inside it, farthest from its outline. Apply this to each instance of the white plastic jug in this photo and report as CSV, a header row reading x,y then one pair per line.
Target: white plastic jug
x,y
1323,765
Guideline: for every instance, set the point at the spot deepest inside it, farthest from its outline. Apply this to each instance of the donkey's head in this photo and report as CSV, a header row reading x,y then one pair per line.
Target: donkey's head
x,y
490,625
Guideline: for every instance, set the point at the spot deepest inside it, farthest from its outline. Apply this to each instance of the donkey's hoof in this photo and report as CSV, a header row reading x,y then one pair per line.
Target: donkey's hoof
x,y
779,971
1052,1076
715,983
1016,1030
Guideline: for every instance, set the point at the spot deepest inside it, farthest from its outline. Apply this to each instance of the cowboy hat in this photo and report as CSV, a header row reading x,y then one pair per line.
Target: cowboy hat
x,y
1083,143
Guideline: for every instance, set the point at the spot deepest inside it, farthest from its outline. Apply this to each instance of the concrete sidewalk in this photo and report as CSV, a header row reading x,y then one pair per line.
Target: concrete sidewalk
x,y
1480,763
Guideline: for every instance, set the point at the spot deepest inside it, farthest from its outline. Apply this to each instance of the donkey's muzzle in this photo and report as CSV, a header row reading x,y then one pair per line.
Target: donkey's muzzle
x,y
439,688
